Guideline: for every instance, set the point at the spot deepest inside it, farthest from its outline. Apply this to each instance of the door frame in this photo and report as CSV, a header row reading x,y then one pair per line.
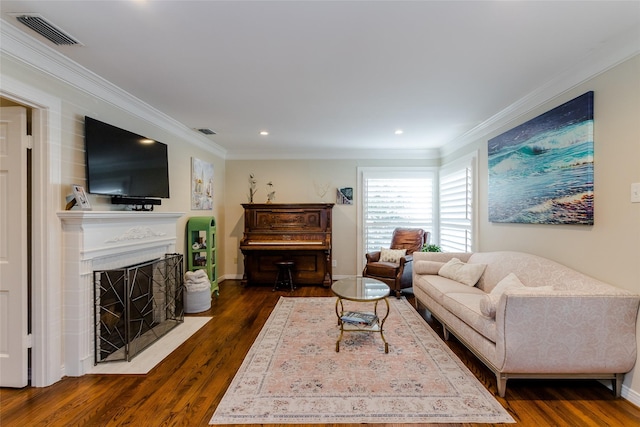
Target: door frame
x,y
46,344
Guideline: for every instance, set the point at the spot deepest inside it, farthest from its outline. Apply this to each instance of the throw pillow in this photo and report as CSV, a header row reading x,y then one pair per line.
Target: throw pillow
x,y
392,255
469,274
427,267
489,302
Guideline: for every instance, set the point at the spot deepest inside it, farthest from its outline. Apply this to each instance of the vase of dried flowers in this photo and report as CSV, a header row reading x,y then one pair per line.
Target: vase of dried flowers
x,y
252,187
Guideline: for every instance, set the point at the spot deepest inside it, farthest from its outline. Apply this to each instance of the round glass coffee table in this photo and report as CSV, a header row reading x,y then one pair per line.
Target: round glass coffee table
x,y
366,290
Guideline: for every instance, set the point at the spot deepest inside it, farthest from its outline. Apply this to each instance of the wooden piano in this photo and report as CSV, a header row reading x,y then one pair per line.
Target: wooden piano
x,y
298,232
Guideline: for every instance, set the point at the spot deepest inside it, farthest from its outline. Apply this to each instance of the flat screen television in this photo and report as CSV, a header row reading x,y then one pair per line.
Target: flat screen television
x,y
127,166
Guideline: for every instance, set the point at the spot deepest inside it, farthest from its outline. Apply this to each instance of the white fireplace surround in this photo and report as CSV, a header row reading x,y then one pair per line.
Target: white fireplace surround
x,y
100,241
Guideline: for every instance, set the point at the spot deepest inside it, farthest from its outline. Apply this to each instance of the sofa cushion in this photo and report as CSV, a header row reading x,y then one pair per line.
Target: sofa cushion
x,y
392,255
437,287
469,274
466,307
427,267
489,302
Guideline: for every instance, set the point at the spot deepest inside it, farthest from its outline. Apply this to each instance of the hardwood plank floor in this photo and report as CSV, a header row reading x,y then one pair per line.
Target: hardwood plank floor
x,y
184,389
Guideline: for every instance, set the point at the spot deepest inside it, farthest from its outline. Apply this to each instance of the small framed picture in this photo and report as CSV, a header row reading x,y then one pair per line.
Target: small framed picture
x,y
81,197
345,196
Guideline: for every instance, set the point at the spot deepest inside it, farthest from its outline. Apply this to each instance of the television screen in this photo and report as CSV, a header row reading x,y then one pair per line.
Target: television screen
x,y
122,163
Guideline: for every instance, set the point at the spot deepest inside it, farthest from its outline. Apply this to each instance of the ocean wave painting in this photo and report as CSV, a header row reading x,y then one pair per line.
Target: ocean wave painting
x,y
541,172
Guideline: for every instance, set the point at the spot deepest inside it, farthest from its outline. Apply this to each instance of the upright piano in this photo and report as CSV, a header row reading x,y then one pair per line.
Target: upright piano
x,y
298,232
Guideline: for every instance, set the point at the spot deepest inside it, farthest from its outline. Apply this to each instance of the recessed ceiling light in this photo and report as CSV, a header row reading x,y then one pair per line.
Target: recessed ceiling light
x,y
399,132
264,133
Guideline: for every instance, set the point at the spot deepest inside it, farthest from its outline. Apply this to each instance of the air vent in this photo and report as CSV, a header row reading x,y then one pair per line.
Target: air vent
x,y
47,30
206,131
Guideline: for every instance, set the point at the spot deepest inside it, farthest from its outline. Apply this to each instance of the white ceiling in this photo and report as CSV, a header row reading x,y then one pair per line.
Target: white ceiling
x,y
326,76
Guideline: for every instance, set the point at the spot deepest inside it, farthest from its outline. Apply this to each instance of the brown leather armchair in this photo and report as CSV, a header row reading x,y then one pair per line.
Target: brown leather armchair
x,y
397,274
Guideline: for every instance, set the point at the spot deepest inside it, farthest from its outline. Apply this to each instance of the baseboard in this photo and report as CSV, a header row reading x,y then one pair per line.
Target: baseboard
x,y
626,392
229,277
631,395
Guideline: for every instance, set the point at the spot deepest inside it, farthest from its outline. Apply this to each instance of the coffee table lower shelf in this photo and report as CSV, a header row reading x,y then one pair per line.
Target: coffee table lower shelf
x,y
376,327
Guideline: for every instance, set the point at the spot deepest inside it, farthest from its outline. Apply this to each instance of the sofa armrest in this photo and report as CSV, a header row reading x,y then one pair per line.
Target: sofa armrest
x,y
561,332
406,259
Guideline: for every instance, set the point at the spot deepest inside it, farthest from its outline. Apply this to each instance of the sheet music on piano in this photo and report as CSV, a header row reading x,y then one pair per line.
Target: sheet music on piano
x,y
298,232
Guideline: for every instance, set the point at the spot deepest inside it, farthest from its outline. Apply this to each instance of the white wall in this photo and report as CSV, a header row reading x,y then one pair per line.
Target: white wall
x,y
295,181
610,249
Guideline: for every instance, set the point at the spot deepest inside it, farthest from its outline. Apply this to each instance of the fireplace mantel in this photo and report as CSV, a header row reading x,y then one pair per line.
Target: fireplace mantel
x,y
94,240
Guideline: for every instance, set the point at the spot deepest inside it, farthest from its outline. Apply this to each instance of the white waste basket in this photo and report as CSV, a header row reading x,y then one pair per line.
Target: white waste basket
x,y
197,301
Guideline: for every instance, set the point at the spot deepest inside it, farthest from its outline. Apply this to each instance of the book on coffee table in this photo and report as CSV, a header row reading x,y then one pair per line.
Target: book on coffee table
x,y
359,318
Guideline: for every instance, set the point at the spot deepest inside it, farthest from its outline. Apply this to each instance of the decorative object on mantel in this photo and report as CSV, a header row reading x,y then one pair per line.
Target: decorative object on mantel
x,y
345,196
252,187
541,172
79,198
271,193
201,185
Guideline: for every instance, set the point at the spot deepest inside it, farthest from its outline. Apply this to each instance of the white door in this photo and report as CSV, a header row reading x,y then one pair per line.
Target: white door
x,y
13,247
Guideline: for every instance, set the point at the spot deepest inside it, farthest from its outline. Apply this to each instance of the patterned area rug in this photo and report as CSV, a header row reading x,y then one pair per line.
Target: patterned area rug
x,y
292,373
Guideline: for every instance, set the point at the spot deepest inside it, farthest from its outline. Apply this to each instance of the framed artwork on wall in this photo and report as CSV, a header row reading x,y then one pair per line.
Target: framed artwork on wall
x,y
541,172
345,196
201,185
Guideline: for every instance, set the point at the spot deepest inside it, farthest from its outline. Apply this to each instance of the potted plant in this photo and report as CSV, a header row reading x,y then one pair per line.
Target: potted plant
x,y
431,248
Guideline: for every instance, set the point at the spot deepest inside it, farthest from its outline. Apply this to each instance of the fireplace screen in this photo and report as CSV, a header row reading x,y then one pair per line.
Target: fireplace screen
x,y
135,306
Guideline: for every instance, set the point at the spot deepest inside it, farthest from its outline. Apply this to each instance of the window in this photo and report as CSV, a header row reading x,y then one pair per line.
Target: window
x,y
456,206
394,198
441,203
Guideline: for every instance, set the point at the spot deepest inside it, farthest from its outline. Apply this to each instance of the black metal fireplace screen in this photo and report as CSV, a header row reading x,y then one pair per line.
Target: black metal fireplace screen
x,y
135,306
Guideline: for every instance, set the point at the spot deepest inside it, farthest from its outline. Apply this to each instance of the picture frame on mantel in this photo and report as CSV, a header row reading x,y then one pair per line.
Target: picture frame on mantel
x,y
81,197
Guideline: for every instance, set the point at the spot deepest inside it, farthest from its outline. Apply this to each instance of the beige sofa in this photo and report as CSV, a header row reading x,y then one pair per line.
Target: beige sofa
x,y
553,323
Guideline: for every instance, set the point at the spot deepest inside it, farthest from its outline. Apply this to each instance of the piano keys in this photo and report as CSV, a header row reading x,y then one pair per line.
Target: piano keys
x,y
298,232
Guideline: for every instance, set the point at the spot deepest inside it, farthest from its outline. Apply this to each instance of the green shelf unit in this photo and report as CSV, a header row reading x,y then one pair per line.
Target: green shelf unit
x,y
201,248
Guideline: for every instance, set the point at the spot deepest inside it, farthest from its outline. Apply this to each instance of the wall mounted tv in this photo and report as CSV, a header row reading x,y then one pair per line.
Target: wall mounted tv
x,y
134,170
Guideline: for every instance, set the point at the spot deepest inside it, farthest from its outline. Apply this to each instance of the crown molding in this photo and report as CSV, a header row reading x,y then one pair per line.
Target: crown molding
x,y
34,53
337,154
615,51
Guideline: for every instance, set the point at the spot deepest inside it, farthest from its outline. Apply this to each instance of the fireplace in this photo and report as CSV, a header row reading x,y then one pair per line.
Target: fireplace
x,y
99,241
135,306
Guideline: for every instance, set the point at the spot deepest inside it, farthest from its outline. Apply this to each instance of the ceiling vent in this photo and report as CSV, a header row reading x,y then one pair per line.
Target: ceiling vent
x,y
46,29
206,131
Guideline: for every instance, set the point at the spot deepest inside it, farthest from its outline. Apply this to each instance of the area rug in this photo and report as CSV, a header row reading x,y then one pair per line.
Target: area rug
x,y
156,352
293,375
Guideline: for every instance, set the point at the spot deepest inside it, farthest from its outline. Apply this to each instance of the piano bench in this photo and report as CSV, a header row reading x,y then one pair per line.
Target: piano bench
x,y
284,276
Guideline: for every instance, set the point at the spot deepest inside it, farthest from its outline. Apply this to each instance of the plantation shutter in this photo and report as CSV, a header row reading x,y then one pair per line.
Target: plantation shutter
x,y
456,210
395,200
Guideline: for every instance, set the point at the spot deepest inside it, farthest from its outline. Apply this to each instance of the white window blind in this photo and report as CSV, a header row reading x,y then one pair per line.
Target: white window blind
x,y
393,200
456,210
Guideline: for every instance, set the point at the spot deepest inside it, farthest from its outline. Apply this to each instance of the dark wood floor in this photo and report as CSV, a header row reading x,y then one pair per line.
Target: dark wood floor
x,y
185,388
